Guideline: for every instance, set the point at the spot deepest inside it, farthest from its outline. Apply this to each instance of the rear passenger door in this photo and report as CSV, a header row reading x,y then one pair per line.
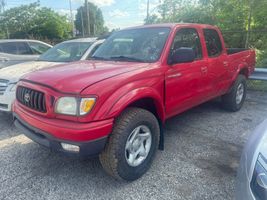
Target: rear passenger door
x,y
184,80
217,62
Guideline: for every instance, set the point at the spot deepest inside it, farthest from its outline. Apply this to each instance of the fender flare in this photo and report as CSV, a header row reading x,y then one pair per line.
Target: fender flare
x,y
137,94
241,67
134,95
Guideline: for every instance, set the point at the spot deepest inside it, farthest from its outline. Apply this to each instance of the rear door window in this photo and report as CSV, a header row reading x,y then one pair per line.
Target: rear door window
x,y
213,42
9,47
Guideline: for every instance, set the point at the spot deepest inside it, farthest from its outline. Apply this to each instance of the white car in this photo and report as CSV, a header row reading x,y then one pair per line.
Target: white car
x,y
69,51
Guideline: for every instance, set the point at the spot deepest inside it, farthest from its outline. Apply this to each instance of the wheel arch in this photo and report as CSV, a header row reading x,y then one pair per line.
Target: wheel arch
x,y
146,98
243,70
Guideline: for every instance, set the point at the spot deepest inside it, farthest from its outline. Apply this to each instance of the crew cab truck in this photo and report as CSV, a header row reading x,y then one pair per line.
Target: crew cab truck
x,y
115,105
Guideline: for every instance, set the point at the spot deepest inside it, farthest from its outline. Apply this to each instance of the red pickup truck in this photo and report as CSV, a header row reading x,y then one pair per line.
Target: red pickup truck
x,y
116,104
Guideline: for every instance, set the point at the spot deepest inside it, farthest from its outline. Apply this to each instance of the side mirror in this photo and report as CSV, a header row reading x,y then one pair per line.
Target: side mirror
x,y
182,55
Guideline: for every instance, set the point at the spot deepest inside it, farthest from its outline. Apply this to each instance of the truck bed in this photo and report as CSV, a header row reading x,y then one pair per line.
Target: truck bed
x,y
235,50
239,56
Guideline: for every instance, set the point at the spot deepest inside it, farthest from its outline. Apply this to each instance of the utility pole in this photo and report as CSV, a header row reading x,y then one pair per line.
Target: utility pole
x,y
88,16
82,21
249,23
2,6
72,21
147,11
2,10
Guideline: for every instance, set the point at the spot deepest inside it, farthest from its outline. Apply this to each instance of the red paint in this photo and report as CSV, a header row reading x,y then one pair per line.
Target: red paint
x,y
116,85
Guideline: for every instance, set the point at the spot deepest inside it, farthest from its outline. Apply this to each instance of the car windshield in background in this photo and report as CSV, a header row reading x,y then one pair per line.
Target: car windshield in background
x,y
66,52
134,45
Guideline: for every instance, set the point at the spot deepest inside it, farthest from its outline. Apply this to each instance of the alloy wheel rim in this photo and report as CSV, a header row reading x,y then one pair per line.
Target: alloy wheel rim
x,y
239,93
138,145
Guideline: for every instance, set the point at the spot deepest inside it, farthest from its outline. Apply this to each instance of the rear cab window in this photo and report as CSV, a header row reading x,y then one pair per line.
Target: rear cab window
x,y
213,42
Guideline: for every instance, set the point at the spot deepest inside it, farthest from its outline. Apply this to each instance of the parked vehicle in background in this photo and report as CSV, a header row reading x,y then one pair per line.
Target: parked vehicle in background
x,y
252,172
115,105
18,51
68,51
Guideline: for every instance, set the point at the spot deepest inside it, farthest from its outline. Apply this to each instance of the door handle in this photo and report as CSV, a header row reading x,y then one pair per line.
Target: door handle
x,y
4,59
175,75
225,63
204,69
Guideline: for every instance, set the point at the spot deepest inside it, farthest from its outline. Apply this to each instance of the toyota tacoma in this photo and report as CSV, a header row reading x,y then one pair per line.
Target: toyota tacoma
x,y
115,105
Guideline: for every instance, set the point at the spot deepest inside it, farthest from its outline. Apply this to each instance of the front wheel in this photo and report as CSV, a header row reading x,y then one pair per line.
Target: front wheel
x,y
132,144
234,100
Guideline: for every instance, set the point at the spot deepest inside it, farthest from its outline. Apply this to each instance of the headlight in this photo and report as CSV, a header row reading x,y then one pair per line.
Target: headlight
x,y
259,180
74,106
67,106
13,87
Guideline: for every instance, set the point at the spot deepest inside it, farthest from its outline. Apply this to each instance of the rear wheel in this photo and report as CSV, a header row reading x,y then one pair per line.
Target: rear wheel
x,y
132,144
234,100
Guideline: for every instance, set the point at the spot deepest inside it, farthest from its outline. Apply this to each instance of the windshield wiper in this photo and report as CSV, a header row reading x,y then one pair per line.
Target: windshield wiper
x,y
98,58
126,58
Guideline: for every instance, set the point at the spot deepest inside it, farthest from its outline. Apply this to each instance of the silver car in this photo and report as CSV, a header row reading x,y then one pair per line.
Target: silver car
x,y
68,51
252,173
15,51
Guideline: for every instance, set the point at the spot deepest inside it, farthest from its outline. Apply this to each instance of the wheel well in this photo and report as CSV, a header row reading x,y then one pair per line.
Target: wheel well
x,y
244,72
146,104
150,105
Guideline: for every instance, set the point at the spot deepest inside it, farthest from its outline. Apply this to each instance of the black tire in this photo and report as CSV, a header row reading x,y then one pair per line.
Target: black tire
x,y
229,101
113,157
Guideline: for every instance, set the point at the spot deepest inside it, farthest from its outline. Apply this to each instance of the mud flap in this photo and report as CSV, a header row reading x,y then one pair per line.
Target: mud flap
x,y
161,139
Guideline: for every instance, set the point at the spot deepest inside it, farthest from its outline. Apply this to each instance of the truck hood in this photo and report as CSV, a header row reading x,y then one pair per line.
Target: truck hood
x,y
74,77
15,72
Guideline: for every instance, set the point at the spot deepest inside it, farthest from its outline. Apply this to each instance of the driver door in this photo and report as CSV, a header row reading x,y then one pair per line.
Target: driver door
x,y
184,80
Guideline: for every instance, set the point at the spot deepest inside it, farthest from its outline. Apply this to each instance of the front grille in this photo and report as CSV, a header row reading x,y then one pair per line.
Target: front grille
x,y
3,106
31,98
3,86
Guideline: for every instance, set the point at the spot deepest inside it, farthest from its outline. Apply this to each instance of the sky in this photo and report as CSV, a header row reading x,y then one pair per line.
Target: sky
x,y
117,13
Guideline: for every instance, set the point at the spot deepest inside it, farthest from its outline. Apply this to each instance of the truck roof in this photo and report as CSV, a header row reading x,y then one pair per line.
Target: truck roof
x,y
172,25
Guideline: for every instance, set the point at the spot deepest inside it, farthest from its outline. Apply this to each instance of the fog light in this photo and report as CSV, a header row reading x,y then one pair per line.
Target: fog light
x,y
70,147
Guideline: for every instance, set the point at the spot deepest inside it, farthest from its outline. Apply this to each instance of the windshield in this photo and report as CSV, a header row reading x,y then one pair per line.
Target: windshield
x,y
136,45
66,52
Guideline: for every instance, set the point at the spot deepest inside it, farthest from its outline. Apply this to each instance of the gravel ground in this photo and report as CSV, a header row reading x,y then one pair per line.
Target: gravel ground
x,y
200,159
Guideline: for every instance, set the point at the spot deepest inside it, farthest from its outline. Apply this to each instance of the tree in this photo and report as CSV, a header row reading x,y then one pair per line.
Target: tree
x,y
34,21
243,22
51,25
95,18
